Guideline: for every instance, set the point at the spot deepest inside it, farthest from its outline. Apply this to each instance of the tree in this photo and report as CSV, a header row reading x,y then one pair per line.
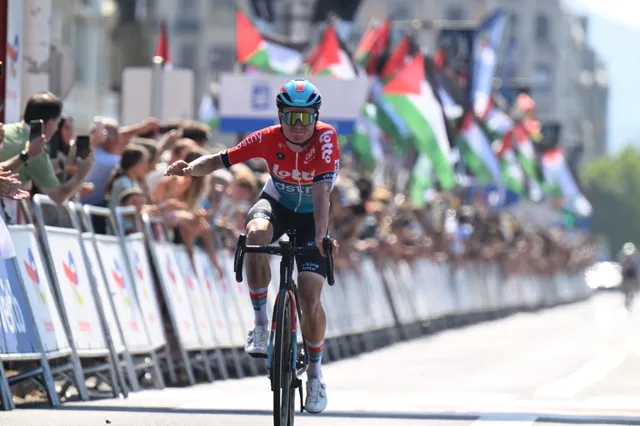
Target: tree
x,y
612,184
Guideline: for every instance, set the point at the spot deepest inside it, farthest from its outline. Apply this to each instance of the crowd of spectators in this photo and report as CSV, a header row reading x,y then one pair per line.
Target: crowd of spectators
x,y
126,168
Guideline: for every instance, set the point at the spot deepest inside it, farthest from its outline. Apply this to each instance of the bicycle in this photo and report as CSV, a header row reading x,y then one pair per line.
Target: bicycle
x,y
282,356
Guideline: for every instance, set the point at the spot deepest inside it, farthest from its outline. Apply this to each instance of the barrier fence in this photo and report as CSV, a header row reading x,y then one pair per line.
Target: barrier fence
x,y
110,314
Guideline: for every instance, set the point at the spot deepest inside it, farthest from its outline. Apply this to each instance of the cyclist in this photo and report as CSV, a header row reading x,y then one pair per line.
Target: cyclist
x,y
629,264
303,160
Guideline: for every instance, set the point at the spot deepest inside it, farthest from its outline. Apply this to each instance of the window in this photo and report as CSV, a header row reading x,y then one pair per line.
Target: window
x,y
185,25
542,78
454,13
218,5
188,7
401,12
222,58
189,56
543,28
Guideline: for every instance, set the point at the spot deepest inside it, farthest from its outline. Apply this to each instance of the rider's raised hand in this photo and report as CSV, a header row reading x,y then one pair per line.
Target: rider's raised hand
x,y
179,168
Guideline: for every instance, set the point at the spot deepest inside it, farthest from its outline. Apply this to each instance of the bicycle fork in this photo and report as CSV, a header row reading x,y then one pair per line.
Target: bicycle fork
x,y
298,365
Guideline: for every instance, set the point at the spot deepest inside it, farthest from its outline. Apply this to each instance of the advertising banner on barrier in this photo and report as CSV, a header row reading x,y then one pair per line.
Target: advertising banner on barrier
x,y
123,294
17,332
145,290
38,291
109,314
79,303
248,101
223,329
205,330
178,300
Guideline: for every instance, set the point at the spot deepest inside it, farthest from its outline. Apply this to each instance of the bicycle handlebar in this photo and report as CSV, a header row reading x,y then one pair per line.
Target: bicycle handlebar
x,y
242,248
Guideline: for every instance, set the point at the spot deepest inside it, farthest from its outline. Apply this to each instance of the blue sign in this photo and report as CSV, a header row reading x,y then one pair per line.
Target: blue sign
x,y
17,332
260,99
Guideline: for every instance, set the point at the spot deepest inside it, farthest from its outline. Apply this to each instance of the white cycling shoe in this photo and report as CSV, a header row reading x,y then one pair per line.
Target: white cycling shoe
x,y
316,399
258,342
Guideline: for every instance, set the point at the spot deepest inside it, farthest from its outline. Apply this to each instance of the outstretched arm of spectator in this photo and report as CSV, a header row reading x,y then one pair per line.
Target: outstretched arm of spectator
x,y
148,125
61,193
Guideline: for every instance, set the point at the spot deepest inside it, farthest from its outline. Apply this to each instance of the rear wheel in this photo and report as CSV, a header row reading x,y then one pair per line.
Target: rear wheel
x,y
283,373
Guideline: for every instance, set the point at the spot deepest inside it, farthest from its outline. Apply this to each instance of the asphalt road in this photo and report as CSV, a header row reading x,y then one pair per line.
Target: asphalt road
x,y
574,364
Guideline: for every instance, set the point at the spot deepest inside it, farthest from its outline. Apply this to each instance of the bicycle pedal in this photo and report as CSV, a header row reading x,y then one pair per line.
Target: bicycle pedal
x,y
258,356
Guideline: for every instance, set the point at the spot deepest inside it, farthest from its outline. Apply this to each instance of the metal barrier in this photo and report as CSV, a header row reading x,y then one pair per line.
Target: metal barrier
x,y
132,304
78,297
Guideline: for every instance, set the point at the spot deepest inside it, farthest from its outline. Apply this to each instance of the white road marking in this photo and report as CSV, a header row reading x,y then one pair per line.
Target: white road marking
x,y
589,374
505,420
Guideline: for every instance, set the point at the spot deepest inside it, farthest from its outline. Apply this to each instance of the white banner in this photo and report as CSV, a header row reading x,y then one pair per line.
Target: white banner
x,y
75,289
178,300
248,102
123,294
13,62
38,289
109,314
137,95
145,290
209,283
199,308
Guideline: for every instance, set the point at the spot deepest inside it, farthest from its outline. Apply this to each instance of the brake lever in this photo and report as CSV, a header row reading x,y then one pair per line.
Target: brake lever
x,y
328,250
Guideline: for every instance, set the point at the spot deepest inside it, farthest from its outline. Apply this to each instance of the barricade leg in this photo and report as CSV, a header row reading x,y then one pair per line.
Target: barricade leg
x,y
5,391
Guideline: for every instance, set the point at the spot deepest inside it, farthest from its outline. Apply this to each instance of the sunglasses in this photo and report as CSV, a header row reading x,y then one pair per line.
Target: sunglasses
x,y
305,118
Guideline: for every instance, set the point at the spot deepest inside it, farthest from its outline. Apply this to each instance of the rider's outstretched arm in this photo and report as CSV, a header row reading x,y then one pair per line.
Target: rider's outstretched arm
x,y
206,164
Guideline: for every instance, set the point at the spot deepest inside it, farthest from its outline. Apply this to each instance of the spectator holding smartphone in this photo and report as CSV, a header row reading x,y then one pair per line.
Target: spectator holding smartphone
x,y
27,157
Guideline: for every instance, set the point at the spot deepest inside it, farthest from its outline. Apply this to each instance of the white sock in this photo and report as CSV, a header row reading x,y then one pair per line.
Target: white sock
x,y
259,303
315,359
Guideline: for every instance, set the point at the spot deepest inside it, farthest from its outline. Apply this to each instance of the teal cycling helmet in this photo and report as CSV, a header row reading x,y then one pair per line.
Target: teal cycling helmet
x,y
299,93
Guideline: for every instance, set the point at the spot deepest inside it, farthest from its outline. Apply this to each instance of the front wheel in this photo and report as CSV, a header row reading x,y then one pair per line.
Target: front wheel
x,y
282,370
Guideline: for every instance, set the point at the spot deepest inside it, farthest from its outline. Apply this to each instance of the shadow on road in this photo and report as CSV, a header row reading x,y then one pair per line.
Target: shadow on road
x,y
510,417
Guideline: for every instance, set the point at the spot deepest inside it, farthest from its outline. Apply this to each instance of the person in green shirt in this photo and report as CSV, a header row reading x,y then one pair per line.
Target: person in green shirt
x,y
30,160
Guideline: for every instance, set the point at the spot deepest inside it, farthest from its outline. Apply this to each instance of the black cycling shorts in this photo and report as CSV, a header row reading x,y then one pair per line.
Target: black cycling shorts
x,y
282,219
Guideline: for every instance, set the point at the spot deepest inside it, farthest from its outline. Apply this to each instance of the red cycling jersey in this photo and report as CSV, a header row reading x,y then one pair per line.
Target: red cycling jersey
x,y
292,174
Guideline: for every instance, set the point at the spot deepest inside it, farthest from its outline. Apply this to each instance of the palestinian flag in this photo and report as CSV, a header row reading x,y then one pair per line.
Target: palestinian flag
x,y
401,55
372,46
331,57
562,183
475,150
412,97
267,56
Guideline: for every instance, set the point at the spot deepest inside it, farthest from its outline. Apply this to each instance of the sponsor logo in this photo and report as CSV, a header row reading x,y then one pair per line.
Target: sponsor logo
x,y
254,137
293,174
336,168
280,156
327,145
310,155
260,96
310,266
293,188
325,177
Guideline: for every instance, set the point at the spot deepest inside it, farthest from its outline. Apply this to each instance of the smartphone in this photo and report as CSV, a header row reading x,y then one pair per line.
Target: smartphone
x,y
166,128
35,129
83,147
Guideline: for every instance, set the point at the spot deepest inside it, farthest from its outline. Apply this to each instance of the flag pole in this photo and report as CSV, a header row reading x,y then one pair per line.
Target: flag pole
x,y
160,60
157,92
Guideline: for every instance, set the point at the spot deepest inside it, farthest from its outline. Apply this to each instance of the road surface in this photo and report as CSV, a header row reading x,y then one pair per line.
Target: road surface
x,y
578,363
